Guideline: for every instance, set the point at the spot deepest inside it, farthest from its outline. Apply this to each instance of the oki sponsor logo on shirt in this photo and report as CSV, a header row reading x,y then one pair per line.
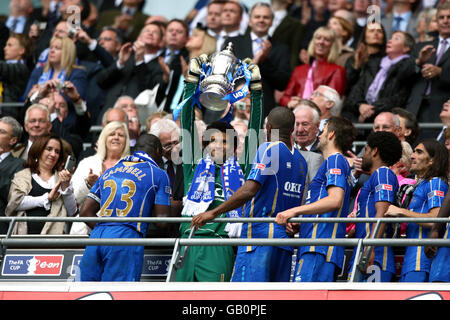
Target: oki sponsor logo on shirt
x,y
386,187
33,265
293,187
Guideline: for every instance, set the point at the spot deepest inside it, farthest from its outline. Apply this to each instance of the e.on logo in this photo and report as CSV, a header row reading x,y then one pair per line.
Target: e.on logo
x,y
32,265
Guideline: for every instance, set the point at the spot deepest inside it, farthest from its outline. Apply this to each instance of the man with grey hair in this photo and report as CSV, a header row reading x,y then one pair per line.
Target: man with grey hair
x,y
306,128
384,121
10,133
303,112
126,103
328,101
36,123
169,134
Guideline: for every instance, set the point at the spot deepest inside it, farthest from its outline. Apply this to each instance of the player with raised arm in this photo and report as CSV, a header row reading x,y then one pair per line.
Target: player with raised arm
x,y
211,176
275,183
328,197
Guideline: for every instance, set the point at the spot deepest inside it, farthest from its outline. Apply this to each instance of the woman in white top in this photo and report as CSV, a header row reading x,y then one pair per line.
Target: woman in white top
x,y
113,144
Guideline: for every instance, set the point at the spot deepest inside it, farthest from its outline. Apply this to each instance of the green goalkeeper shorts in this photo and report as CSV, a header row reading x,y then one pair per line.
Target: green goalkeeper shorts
x,y
208,263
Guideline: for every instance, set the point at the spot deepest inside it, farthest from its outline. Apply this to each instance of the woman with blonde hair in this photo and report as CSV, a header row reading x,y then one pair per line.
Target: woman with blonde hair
x,y
60,68
344,31
113,145
323,51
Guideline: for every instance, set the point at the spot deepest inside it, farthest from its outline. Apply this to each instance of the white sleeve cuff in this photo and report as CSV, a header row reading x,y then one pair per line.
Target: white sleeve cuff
x,y
68,191
34,97
80,108
47,204
93,45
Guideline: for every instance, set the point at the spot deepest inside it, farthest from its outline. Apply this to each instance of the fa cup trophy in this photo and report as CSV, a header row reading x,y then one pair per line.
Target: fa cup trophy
x,y
220,80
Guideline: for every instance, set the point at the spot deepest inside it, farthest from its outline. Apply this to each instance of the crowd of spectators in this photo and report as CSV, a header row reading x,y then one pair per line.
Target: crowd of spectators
x,y
76,88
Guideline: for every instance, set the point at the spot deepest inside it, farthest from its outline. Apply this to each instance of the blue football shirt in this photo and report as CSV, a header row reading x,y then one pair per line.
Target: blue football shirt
x,y
381,186
429,194
130,189
334,171
281,173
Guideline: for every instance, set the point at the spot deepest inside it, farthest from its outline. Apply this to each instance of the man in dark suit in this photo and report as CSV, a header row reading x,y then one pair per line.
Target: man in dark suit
x,y
129,19
10,132
105,5
230,19
271,57
133,72
400,19
177,34
19,19
360,12
432,75
104,51
287,29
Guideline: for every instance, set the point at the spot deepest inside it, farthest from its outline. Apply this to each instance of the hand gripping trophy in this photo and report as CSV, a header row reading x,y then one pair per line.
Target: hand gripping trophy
x,y
209,86
219,75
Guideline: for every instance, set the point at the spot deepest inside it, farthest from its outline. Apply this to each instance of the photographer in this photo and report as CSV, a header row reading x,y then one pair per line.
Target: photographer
x,y
59,67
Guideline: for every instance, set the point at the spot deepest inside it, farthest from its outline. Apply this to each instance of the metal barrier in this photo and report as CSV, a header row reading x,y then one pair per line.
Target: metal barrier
x,y
177,260
363,126
11,104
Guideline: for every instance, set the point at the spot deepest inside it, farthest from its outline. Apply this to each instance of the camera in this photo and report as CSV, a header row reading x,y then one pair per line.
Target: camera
x,y
70,164
72,32
61,86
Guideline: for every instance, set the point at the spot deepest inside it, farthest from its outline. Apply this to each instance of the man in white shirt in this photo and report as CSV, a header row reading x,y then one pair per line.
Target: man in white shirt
x,y
445,117
271,56
213,17
231,20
